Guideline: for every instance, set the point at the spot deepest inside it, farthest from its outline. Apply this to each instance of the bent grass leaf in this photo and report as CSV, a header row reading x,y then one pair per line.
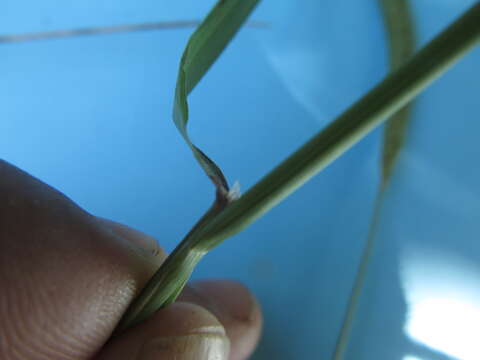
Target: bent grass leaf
x,y
203,48
389,96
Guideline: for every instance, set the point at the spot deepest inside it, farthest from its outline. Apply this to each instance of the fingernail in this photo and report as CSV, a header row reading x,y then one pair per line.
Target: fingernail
x,y
201,346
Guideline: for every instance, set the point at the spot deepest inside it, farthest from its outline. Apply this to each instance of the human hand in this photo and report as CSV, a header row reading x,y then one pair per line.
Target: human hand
x,y
66,278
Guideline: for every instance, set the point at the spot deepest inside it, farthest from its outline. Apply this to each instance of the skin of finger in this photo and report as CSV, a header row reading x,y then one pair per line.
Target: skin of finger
x,y
235,307
232,303
177,320
144,241
65,279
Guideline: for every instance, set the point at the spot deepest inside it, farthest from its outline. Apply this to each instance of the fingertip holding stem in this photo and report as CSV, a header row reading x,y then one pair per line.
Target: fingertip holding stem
x,y
181,331
235,307
207,346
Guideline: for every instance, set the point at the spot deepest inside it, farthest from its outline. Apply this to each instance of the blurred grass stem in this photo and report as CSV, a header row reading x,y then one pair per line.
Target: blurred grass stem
x,y
401,40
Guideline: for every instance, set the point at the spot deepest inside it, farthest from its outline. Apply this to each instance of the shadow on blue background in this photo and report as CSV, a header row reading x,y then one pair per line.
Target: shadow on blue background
x,y
92,117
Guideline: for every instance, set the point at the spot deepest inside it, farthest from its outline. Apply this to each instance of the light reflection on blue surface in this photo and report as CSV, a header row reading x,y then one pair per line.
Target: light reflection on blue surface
x,y
443,300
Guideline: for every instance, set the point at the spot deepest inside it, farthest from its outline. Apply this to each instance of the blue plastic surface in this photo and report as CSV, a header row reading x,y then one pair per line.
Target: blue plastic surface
x,y
92,117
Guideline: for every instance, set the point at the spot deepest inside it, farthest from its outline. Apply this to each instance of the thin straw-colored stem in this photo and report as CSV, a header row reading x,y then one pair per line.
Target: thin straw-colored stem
x,y
104,30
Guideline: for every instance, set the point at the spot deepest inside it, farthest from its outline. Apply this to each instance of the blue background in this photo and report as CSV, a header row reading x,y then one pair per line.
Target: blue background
x,y
92,117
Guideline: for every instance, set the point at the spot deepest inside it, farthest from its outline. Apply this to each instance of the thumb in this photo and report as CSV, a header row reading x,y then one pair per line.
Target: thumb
x,y
181,331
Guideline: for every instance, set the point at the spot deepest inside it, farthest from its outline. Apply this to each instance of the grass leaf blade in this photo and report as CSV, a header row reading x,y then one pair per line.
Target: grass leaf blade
x,y
203,48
